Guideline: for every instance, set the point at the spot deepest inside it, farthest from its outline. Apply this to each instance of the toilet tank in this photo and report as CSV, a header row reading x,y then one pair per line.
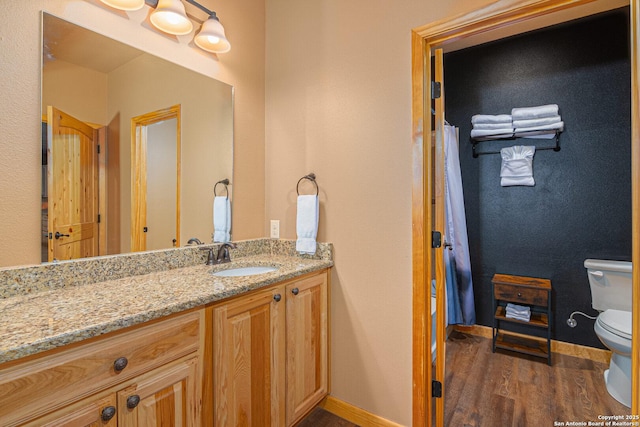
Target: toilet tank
x,y
610,283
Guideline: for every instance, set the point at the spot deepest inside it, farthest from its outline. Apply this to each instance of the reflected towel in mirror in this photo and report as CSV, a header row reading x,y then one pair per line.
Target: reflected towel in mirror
x,y
221,219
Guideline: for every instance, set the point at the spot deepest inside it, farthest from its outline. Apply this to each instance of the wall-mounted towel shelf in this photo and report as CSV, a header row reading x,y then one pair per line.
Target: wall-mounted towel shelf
x,y
477,140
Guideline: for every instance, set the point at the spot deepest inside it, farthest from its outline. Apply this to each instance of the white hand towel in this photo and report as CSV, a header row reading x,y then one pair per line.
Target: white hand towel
x,y
536,122
528,113
518,309
519,312
522,317
517,166
221,219
489,118
487,126
541,132
307,224
495,133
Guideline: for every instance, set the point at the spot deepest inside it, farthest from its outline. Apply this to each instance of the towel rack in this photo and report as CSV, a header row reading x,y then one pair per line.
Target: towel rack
x,y
475,141
224,182
311,177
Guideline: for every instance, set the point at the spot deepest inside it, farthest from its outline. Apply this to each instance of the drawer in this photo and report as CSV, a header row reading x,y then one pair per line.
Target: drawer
x,y
33,388
521,294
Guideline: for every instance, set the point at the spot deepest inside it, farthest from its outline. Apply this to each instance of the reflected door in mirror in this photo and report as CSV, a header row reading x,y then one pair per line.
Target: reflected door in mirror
x,y
72,179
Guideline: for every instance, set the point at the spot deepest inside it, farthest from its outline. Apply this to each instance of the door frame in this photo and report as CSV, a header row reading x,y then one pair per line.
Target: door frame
x,y
139,172
424,40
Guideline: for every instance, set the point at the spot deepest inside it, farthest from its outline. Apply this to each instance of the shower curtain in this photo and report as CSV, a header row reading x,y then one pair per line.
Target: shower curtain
x,y
459,284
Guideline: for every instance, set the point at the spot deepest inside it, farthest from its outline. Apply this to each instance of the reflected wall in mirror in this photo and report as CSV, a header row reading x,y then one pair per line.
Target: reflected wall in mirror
x,y
104,84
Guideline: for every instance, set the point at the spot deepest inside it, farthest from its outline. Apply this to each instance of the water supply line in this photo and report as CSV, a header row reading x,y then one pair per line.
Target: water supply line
x,y
573,322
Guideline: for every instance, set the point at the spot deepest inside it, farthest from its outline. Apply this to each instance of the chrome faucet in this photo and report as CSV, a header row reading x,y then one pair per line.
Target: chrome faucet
x,y
223,253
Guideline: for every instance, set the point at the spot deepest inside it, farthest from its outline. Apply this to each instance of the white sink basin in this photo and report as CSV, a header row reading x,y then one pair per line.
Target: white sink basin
x,y
245,271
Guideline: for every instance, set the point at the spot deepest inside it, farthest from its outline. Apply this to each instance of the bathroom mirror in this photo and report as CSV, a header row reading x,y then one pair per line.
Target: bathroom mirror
x,y
106,85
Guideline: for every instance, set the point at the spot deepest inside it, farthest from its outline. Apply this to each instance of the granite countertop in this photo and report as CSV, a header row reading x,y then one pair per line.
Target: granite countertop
x,y
43,320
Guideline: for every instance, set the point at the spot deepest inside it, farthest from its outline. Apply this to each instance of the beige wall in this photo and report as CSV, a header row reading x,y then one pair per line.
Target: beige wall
x,y
20,48
339,104
66,87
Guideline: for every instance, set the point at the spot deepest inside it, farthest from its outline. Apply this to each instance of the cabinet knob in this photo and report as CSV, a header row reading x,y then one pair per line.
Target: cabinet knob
x,y
120,364
295,291
108,413
277,297
132,401
519,294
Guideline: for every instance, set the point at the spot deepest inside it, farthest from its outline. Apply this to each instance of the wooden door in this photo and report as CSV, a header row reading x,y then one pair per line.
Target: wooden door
x,y
72,177
140,126
439,225
91,412
307,334
165,397
248,362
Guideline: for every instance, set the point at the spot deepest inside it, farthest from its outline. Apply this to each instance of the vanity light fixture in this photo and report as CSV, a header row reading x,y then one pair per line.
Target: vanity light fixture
x,y
211,36
125,4
170,17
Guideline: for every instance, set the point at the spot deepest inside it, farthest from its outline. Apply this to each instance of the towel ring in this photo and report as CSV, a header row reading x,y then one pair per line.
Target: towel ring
x,y
311,177
224,182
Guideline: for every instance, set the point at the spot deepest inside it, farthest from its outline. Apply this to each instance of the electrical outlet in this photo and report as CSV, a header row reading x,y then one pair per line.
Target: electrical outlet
x,y
275,228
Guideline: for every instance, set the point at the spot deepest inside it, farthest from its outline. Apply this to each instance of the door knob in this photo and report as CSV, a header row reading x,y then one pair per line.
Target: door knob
x,y
59,235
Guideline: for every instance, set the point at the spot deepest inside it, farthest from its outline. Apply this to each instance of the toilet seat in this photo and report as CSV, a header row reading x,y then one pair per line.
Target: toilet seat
x,y
617,322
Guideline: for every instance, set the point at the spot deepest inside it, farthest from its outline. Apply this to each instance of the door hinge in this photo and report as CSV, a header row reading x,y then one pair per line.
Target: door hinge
x,y
436,388
98,148
98,218
436,90
436,239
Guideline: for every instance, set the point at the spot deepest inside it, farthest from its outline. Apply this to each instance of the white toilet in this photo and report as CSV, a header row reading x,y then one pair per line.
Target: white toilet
x,y
611,286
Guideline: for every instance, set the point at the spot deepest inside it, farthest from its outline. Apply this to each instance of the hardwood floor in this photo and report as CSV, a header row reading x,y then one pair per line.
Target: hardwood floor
x,y
321,418
509,389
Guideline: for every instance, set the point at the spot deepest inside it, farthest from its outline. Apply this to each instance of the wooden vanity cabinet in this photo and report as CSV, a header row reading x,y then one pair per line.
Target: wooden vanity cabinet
x,y
148,375
307,362
270,355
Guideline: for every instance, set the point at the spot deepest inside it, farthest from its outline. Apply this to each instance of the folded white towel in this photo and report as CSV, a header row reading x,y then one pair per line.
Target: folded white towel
x,y
221,219
489,118
519,312
528,113
307,223
517,166
487,126
517,309
496,133
536,122
541,132
522,317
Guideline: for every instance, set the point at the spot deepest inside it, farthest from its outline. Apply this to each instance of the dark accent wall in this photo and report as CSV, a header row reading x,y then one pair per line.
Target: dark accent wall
x,y
580,206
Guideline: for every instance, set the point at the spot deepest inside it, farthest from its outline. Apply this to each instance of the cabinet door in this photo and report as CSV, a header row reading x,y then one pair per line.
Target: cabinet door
x,y
166,396
248,363
91,412
307,331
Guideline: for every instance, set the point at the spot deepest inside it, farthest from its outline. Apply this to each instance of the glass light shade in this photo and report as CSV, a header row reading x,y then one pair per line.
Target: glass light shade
x,y
211,36
124,4
171,18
